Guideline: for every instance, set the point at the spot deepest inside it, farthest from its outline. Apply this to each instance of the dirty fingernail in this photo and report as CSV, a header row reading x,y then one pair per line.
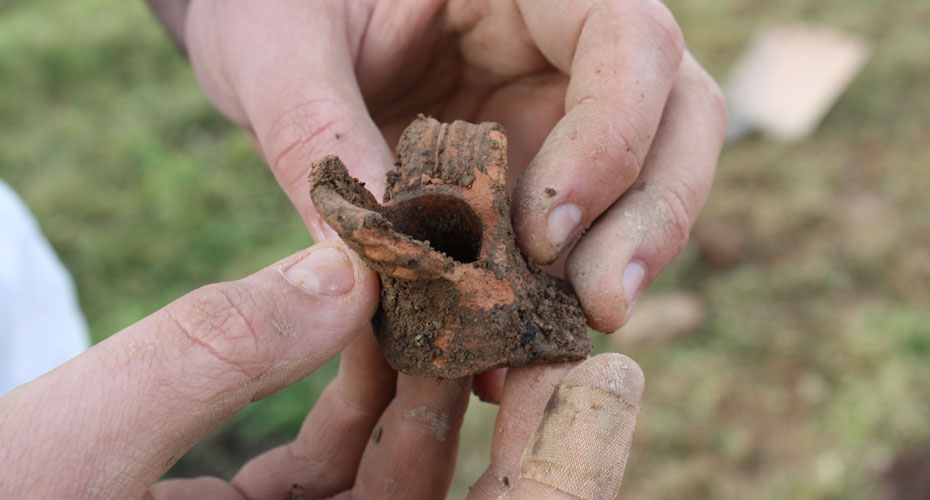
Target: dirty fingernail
x,y
563,224
633,277
326,272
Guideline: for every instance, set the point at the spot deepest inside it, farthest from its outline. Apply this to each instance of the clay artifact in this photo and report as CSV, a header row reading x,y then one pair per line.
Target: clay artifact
x,y
457,296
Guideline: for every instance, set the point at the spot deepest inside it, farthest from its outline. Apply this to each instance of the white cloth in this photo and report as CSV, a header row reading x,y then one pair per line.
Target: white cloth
x,y
41,325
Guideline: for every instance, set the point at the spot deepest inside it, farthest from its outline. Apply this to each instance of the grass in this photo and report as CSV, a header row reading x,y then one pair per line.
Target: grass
x,y
807,381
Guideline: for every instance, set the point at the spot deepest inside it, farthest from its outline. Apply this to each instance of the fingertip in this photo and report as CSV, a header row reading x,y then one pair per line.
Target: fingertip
x,y
545,235
367,291
527,213
365,277
489,386
330,270
608,292
326,292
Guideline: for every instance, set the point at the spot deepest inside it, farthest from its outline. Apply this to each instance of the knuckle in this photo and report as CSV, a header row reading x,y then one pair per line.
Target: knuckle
x,y
665,30
676,212
302,133
627,154
212,319
700,83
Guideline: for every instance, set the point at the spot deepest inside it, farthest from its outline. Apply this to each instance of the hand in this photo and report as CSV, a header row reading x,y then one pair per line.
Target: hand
x,y
612,125
109,423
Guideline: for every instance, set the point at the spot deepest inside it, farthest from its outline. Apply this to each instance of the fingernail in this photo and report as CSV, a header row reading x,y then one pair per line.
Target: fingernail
x,y
633,277
326,272
563,224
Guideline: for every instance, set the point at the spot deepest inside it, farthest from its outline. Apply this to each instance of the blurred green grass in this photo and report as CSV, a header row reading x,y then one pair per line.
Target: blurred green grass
x,y
810,376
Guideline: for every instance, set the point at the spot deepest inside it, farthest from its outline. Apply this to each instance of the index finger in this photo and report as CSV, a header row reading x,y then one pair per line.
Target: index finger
x,y
622,58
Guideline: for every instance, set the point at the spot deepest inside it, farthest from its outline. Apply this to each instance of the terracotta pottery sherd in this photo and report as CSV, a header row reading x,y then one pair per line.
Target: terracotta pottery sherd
x,y
457,296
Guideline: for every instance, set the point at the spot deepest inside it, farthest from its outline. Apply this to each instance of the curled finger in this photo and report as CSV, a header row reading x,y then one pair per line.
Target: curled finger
x,y
645,229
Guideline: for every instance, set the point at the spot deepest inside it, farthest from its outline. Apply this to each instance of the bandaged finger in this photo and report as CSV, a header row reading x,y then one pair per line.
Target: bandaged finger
x,y
584,437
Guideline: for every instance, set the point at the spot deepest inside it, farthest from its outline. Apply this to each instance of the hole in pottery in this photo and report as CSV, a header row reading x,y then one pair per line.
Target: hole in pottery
x,y
448,223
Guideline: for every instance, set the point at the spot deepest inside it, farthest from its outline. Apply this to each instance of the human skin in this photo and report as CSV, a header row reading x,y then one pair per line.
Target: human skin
x,y
614,129
597,97
112,421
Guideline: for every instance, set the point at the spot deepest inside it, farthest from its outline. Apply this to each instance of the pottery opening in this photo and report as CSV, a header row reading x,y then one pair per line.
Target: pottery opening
x,y
448,223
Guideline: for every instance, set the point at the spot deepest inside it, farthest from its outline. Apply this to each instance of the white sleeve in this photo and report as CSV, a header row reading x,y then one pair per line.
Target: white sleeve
x,y
41,325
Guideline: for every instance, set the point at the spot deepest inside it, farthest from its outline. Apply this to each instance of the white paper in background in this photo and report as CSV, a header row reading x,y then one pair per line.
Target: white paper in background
x,y
789,77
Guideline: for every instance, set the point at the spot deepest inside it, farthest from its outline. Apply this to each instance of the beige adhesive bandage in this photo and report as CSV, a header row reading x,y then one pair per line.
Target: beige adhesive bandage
x,y
582,442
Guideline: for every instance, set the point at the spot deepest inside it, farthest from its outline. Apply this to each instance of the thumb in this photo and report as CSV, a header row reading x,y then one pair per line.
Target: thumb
x,y
113,420
286,70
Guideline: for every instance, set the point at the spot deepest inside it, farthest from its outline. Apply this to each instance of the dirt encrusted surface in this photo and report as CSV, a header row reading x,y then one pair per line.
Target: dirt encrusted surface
x,y
445,158
545,329
457,296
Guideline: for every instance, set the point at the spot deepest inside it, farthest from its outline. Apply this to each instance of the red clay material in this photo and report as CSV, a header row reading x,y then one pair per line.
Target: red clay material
x,y
457,296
